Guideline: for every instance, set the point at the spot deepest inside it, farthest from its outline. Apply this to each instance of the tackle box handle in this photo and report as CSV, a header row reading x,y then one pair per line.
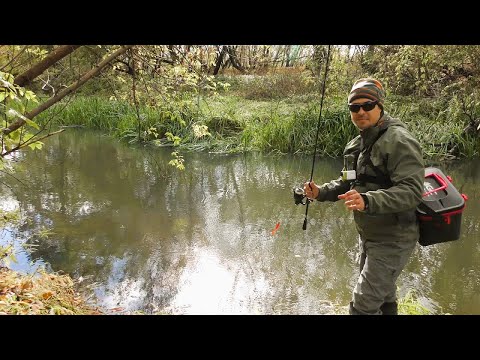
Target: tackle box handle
x,y
440,180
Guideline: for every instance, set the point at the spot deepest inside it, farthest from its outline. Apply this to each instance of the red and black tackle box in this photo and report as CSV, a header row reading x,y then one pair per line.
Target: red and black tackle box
x,y
440,212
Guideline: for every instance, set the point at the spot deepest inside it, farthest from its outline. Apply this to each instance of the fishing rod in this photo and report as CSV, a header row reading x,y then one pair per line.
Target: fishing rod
x,y
298,193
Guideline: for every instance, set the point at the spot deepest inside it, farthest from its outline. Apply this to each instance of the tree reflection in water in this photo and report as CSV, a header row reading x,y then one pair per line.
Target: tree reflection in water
x,y
199,241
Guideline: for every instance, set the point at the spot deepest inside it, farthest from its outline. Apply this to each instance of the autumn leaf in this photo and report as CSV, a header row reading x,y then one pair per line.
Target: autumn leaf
x,y
47,295
27,284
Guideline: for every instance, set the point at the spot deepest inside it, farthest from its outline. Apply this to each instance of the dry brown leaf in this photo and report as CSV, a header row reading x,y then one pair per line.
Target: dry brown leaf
x,y
47,295
27,284
116,309
36,307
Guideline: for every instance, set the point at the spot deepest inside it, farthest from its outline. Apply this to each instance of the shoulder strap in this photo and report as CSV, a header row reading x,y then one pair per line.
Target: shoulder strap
x,y
380,178
426,209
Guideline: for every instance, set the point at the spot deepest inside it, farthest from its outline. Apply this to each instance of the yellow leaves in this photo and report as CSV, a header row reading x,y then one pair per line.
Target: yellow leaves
x,y
42,294
30,95
37,51
179,70
7,252
6,80
26,284
200,130
121,79
47,295
153,131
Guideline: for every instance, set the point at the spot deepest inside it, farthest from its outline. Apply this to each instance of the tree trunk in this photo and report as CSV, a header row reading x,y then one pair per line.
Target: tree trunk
x,y
54,99
287,56
368,62
172,53
219,61
233,59
277,54
52,58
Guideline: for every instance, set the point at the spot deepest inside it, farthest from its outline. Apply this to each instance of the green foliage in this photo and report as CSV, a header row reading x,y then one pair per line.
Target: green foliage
x,y
7,254
276,86
438,123
409,305
296,132
431,88
174,139
177,161
13,104
120,118
427,70
229,123
223,126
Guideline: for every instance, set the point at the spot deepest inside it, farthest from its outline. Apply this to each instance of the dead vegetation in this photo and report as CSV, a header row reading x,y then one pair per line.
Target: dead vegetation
x,y
41,294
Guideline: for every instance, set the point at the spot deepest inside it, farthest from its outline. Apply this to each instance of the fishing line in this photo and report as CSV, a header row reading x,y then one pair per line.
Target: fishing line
x,y
318,130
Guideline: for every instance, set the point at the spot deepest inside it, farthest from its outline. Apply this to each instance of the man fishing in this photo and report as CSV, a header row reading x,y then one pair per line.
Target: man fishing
x,y
382,183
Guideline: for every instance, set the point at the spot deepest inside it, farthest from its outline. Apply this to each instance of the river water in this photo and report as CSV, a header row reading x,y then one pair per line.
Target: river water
x,y
148,237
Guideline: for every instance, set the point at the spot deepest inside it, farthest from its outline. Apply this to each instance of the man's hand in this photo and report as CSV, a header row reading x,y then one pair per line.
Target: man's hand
x,y
311,190
353,200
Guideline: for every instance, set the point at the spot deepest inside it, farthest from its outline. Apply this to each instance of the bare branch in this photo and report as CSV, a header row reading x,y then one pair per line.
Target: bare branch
x,y
54,99
13,58
30,141
55,56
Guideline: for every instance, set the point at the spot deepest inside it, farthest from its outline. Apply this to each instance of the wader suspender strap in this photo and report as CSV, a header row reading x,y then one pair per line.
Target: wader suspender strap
x,y
380,178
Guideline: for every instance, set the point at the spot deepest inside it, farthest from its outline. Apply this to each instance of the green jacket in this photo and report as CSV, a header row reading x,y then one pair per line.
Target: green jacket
x,y
398,155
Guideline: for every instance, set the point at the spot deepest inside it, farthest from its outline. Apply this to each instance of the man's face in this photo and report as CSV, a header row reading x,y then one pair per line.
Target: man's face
x,y
364,119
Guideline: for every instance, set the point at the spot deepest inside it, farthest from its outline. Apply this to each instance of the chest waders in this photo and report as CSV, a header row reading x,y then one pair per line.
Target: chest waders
x,y
380,178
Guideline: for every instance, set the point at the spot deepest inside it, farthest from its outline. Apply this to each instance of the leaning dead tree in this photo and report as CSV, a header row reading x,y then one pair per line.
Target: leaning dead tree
x,y
54,99
51,59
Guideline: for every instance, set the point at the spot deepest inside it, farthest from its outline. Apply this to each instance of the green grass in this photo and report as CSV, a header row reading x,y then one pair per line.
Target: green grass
x,y
409,305
278,125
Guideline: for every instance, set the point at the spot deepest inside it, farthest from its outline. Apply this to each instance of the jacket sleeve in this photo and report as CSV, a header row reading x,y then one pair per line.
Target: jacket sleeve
x,y
406,169
330,190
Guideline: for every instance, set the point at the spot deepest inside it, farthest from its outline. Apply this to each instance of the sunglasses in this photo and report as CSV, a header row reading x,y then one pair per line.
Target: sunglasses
x,y
367,106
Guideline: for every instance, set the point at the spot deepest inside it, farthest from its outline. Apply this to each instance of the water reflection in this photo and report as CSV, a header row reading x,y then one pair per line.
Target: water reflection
x,y
199,241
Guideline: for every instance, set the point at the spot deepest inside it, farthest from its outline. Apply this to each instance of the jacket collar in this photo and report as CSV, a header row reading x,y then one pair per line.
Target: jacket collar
x,y
370,134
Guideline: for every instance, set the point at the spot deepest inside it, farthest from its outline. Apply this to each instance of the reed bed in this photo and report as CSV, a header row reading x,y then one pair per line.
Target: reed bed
x,y
233,123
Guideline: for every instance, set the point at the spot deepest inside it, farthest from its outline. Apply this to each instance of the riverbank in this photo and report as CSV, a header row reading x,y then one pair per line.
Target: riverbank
x,y
230,122
41,293
45,293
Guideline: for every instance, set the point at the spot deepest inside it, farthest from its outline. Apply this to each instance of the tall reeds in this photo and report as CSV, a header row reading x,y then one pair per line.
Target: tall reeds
x,y
279,124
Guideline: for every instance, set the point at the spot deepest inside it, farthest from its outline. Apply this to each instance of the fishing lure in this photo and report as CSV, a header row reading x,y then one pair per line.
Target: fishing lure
x,y
275,229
